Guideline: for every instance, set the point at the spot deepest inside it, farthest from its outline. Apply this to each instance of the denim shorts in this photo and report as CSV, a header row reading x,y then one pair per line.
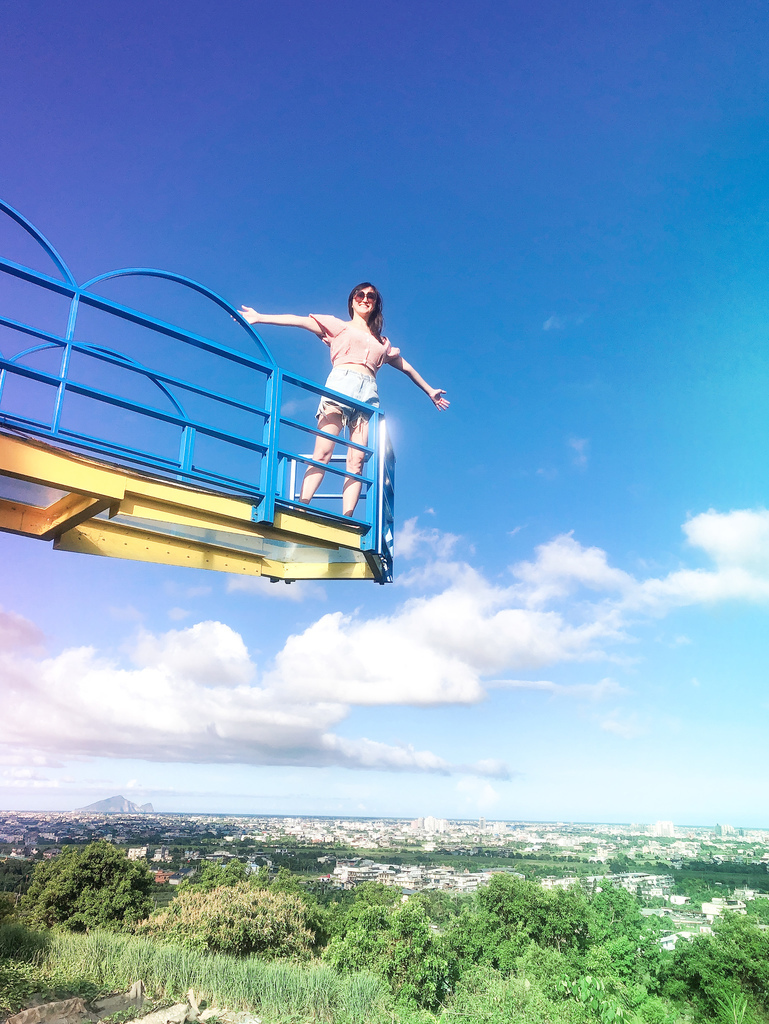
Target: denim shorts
x,y
359,386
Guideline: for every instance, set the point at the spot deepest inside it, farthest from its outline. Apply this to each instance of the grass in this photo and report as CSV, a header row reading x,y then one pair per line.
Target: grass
x,y
283,992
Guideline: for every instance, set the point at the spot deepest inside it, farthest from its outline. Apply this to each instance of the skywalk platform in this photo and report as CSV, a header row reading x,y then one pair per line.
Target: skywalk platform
x,y
128,434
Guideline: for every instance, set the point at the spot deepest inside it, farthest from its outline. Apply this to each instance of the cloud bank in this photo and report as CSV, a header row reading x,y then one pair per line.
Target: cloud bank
x,y
196,695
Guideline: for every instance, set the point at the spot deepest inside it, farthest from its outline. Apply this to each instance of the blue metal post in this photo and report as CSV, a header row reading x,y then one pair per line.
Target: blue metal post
x,y
187,449
269,476
65,360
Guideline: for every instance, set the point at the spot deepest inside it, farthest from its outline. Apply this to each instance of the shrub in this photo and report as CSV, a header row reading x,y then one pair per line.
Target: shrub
x,y
235,919
484,997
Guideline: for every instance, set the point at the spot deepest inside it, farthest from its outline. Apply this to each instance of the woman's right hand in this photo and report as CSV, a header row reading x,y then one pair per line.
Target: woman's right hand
x,y
249,315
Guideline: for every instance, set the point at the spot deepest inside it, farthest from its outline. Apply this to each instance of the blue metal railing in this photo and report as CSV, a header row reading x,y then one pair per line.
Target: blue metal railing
x,y
75,418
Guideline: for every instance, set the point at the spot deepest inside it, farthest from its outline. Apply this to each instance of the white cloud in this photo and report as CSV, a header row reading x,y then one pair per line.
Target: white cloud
x,y
585,691
580,446
562,565
190,696
26,774
26,778
737,542
493,768
625,725
738,539
411,541
196,695
433,650
558,322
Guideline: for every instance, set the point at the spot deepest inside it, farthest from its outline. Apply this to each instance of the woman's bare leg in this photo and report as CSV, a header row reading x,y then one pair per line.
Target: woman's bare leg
x,y
351,489
331,423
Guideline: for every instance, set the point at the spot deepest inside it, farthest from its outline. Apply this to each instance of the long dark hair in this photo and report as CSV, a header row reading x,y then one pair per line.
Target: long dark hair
x,y
376,316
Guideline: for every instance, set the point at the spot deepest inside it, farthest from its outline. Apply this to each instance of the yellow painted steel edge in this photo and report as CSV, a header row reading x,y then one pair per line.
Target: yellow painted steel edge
x,y
115,541
46,523
53,468
163,513
292,522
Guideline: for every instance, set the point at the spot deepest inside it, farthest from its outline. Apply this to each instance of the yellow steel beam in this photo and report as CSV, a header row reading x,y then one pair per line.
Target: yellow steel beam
x,y
24,460
219,508
46,523
317,570
110,539
104,538
94,486
163,513
15,518
69,512
44,464
293,522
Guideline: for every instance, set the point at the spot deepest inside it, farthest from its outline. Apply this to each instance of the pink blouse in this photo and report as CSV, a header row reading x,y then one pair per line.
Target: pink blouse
x,y
350,344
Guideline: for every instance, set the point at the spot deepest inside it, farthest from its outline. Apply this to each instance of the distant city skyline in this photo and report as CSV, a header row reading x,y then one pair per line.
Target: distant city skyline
x,y
725,829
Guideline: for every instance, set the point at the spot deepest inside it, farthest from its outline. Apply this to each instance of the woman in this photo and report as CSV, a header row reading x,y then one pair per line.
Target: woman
x,y
358,350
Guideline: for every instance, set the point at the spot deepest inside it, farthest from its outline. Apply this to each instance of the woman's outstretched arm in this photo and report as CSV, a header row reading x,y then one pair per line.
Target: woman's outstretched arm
x,y
280,319
434,394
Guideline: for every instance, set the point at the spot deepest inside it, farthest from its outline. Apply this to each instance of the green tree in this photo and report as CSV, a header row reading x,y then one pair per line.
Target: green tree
x,y
236,919
472,939
619,863
441,907
261,880
615,914
94,887
212,876
734,962
375,894
399,945
285,881
551,917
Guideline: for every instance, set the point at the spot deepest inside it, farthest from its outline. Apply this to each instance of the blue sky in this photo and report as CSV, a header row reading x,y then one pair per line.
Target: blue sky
x,y
566,210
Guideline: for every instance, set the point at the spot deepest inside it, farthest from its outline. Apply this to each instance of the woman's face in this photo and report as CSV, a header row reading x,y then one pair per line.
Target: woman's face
x,y
363,302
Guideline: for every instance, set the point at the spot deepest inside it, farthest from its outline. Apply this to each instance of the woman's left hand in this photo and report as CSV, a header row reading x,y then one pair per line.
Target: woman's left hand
x,y
436,396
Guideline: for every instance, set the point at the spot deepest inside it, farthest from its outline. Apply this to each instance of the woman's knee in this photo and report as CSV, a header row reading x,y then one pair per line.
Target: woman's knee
x,y
355,462
323,453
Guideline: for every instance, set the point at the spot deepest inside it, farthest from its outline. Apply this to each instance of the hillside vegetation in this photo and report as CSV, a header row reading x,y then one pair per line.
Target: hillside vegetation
x,y
513,951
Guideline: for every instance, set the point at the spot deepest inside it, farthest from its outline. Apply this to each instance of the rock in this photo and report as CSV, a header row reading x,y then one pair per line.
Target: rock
x,y
228,1016
133,998
65,1011
176,1014
136,993
194,1002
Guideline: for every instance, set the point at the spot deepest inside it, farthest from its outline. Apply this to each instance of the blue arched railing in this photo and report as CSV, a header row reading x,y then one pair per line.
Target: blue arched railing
x,y
74,403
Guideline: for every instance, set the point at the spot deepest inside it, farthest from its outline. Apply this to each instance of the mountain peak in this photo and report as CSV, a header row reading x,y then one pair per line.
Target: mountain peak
x,y
118,805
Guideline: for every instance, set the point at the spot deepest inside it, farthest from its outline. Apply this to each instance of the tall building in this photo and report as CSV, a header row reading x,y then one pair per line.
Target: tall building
x,y
725,830
663,829
436,824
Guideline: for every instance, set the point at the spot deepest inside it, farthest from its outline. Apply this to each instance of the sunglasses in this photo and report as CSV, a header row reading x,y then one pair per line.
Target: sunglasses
x,y
362,296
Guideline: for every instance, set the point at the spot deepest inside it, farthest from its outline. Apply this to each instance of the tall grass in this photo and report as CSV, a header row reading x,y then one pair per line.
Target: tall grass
x,y
280,991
